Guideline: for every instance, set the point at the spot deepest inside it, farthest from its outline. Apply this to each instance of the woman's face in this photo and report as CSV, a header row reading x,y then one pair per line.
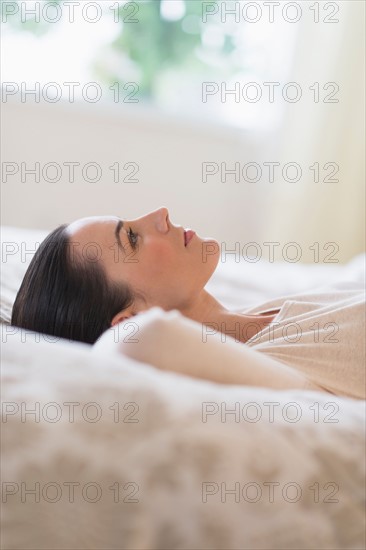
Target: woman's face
x,y
149,254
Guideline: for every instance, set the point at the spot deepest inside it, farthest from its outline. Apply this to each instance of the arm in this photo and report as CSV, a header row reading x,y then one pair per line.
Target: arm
x,y
169,341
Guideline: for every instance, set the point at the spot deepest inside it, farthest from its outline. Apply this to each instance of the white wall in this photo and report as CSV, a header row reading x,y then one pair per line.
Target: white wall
x,y
169,152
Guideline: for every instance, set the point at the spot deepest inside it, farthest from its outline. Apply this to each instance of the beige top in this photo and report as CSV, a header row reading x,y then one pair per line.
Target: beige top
x,y
320,333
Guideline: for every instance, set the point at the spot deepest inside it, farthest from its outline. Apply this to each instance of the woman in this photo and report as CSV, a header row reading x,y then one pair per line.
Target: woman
x,y
98,272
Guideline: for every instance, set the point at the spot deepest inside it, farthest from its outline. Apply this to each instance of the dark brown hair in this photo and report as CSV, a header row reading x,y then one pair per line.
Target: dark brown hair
x,y
63,295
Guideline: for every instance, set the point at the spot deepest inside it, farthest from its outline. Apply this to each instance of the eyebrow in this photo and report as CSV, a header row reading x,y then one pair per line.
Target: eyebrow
x,y
117,235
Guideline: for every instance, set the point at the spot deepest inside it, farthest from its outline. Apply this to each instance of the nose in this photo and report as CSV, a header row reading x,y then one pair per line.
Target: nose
x,y
161,217
157,219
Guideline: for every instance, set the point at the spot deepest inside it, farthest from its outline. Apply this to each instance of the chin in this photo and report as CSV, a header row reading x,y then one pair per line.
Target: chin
x,y
210,256
210,251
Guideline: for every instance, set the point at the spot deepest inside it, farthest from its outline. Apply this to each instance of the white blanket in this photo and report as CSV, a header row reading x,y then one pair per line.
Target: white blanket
x,y
121,455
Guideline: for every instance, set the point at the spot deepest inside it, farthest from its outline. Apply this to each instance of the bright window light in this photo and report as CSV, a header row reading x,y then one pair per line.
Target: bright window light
x,y
169,52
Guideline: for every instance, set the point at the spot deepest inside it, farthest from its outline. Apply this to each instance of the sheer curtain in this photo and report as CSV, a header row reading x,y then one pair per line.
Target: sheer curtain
x,y
308,211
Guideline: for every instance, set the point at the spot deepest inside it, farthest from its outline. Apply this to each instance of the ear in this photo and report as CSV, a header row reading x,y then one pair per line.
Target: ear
x,y
121,316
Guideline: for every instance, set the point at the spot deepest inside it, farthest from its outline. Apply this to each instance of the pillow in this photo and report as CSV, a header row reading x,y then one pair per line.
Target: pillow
x,y
170,341
17,249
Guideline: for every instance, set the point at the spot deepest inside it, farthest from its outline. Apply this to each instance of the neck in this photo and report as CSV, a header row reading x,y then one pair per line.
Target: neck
x,y
216,318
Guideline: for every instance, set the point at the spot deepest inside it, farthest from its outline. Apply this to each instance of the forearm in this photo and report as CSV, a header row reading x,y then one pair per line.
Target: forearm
x,y
174,343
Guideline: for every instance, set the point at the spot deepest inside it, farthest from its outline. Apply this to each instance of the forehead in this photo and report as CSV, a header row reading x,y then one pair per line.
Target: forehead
x,y
91,223
93,227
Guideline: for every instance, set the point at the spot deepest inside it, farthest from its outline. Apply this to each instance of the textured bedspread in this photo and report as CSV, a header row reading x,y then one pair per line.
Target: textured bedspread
x,y
104,452
120,455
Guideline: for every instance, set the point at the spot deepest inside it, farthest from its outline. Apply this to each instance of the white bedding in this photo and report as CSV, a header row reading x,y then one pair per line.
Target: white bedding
x,y
182,448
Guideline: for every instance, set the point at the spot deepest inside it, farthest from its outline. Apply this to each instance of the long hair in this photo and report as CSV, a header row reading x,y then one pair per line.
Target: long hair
x,y
62,295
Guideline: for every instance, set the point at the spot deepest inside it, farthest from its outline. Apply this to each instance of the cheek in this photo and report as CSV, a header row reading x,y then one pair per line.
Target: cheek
x,y
160,260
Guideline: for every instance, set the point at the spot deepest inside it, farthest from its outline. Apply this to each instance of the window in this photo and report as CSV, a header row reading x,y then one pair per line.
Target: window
x,y
216,61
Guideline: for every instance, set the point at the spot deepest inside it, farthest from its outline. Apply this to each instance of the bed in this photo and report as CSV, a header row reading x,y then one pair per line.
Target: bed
x,y
101,451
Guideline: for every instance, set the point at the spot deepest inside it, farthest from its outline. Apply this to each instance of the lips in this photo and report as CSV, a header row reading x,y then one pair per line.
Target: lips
x,y
188,236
